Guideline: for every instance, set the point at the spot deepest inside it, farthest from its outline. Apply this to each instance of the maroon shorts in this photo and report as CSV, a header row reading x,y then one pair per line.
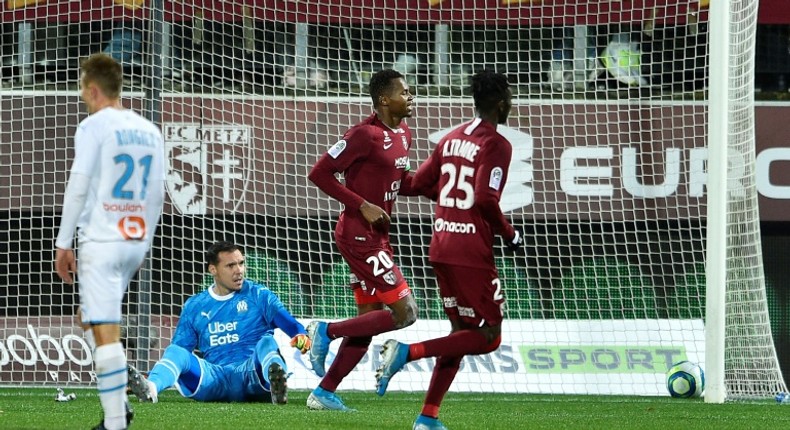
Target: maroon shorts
x,y
470,294
375,276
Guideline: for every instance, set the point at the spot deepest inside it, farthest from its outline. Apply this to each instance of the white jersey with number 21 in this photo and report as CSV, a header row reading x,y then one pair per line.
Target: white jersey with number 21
x,y
123,154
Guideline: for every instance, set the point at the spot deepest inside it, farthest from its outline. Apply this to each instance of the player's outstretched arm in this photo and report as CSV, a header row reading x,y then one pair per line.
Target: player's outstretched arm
x,y
408,188
288,324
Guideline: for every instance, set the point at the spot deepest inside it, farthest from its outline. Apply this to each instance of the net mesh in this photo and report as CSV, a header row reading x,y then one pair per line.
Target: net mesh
x,y
748,344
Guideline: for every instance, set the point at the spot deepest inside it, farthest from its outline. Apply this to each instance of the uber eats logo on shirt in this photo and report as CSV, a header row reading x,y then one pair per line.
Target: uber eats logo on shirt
x,y
222,333
600,358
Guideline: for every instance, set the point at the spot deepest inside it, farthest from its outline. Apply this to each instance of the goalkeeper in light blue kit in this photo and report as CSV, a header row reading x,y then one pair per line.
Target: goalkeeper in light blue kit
x,y
231,325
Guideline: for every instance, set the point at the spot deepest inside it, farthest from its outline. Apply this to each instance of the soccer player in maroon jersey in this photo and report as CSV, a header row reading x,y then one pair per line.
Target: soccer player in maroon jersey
x,y
470,166
374,158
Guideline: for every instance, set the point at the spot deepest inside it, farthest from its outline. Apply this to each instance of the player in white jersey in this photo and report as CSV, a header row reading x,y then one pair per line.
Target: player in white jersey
x,y
231,326
113,199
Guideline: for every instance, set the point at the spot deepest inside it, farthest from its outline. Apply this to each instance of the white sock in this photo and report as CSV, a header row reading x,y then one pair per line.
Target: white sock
x,y
111,375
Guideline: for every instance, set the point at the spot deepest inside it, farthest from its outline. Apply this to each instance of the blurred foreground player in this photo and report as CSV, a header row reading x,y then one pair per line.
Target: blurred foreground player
x,y
113,200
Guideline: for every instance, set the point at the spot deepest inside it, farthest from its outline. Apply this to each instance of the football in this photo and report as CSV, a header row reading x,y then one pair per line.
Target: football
x,y
685,379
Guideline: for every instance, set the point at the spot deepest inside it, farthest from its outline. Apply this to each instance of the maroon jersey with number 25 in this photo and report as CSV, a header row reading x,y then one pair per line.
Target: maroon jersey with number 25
x,y
470,165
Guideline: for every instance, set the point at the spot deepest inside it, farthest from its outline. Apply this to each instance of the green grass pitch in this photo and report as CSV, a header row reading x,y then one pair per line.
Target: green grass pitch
x,y
22,408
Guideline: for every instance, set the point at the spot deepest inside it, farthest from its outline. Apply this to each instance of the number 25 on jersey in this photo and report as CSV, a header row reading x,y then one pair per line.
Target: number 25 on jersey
x,y
458,179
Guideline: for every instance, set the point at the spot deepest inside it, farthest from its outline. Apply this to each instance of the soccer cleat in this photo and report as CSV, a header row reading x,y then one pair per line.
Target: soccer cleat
x,y
278,384
316,331
427,423
141,387
394,355
129,418
322,400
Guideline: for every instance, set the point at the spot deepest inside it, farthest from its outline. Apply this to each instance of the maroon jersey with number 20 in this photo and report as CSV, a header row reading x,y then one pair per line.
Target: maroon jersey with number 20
x,y
374,159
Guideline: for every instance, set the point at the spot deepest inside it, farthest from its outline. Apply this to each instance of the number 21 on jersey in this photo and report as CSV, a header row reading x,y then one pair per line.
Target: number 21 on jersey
x,y
131,227
119,191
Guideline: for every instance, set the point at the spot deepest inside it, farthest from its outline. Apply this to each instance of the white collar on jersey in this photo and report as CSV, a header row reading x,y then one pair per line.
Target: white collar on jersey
x,y
217,296
471,127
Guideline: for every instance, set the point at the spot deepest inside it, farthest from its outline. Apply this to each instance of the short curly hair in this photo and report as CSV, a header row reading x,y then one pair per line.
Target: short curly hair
x,y
381,83
488,88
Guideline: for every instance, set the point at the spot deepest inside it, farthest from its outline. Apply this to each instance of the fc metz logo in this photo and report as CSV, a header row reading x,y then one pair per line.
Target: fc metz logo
x,y
207,166
390,278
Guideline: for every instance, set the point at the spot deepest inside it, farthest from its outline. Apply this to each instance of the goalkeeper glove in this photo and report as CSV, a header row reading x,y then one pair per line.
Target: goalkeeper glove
x,y
301,342
514,245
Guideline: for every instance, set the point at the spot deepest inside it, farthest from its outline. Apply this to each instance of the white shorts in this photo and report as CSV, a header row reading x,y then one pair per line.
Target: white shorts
x,y
104,270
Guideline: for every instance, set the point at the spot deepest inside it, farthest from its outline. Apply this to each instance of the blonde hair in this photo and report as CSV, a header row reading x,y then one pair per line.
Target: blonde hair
x,y
105,72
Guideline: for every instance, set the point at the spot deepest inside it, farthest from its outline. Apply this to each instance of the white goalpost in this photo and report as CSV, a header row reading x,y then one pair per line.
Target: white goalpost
x,y
716,249
632,175
738,336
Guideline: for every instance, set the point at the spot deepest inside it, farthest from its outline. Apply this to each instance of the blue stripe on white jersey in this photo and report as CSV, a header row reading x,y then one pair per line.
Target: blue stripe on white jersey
x,y
226,328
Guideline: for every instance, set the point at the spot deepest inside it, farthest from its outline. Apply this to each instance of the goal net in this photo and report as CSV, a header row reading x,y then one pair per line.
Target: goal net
x,y
609,176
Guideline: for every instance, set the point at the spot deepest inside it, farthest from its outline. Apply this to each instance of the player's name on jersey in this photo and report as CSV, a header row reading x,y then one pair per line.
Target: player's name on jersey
x,y
136,137
460,148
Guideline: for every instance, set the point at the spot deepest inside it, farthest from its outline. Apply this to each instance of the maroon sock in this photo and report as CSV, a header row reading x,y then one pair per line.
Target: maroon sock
x,y
441,379
462,342
368,324
351,351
